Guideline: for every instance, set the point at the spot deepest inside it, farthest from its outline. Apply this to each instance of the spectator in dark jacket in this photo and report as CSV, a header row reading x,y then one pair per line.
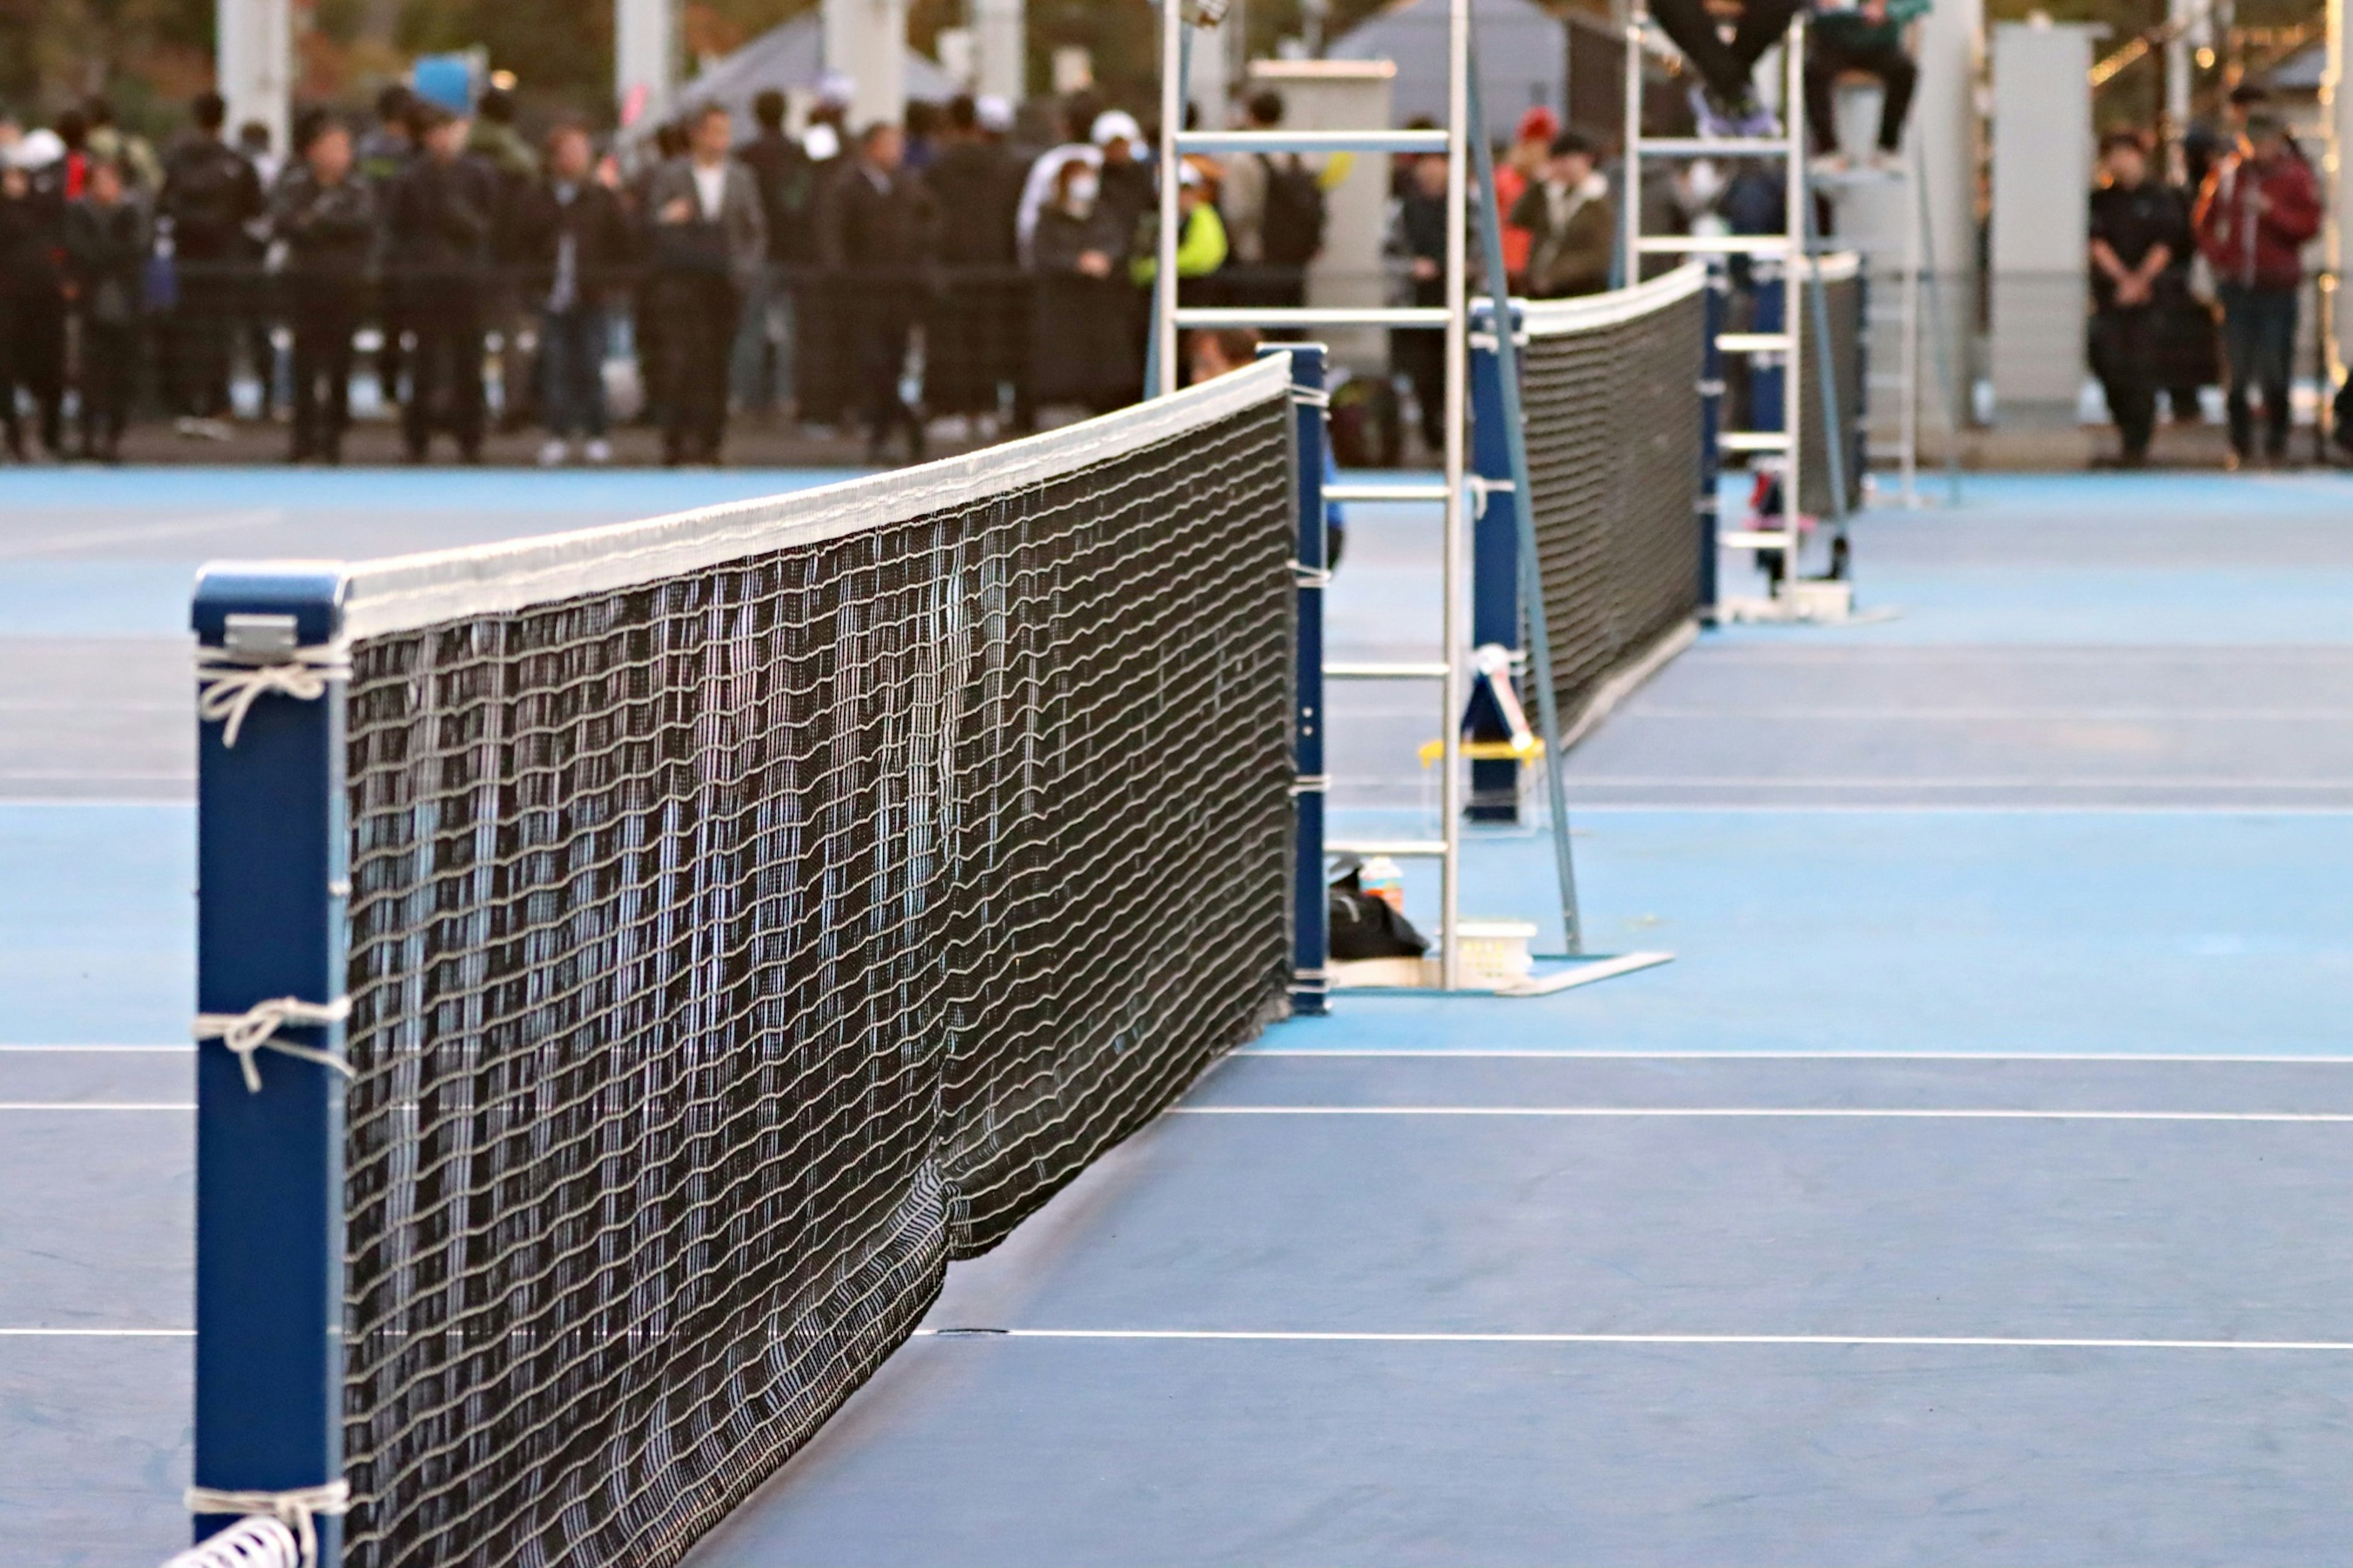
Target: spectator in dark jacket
x,y
575,241
325,215
786,181
879,230
210,194
438,218
1420,240
709,245
2258,208
384,154
1572,226
106,257
2138,230
1079,250
977,334
32,310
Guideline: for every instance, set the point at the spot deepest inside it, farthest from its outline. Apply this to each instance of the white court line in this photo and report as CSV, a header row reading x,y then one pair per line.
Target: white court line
x,y
1928,1341
179,1050
1952,808
97,1333
1785,1056
1751,781
1850,1114
1875,715
134,533
96,1105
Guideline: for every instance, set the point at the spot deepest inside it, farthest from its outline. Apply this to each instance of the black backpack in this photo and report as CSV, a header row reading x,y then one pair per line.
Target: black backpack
x,y
1292,232
204,197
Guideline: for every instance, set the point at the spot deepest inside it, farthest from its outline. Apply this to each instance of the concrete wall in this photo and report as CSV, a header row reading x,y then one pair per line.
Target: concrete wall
x,y
1344,95
645,59
867,39
254,59
2042,174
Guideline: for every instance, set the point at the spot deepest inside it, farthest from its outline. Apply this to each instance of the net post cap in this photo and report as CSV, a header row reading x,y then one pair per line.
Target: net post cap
x,y
310,591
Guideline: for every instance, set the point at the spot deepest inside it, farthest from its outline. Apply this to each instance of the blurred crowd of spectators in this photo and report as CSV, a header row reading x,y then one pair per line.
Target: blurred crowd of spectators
x,y
875,278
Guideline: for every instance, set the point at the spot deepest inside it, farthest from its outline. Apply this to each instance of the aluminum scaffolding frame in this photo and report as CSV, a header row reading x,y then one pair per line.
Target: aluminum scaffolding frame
x,y
1804,312
1169,318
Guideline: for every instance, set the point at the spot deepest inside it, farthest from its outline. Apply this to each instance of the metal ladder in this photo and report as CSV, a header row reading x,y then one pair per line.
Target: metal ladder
x,y
1777,450
1452,671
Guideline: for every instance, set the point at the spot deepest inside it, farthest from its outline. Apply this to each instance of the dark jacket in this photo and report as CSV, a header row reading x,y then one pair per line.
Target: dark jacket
x,y
1569,249
977,188
604,246
210,193
1063,237
106,256
2133,221
786,181
2258,249
329,230
1421,237
875,223
437,220
31,248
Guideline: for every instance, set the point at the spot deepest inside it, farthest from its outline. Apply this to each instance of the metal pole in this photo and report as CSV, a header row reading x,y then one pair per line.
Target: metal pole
x,y
1310,937
272,860
1458,354
1630,159
1909,409
1176,59
1818,299
1505,323
1711,428
1797,193
1946,372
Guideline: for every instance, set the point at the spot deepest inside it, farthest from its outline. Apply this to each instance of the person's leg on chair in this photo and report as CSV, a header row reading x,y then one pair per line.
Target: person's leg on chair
x,y
1692,28
1824,63
1900,77
1761,26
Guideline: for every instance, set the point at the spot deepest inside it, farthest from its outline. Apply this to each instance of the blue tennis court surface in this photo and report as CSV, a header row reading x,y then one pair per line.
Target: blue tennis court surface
x,y
1976,1185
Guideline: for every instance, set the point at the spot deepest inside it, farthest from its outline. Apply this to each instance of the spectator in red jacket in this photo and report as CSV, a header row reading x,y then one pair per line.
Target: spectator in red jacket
x,y
2257,209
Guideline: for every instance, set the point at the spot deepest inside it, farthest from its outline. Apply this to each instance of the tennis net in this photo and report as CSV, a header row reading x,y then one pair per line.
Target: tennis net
x,y
738,916
1610,388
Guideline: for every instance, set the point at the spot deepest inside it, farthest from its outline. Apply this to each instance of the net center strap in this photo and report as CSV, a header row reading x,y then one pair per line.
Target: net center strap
x,y
256,1029
297,1510
229,684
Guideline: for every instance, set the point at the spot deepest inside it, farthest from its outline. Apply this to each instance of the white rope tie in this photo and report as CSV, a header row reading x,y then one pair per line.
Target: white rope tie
x,y
229,684
293,1510
1305,576
256,1029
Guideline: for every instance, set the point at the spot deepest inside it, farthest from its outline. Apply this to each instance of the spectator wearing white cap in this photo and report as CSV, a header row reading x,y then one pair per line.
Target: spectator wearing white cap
x,y
1101,139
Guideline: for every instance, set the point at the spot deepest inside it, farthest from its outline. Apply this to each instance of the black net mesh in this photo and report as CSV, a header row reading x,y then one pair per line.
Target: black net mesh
x,y
1613,432
729,952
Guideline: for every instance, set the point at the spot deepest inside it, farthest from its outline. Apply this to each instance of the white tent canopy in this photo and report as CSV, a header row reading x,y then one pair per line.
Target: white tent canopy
x,y
791,57
1523,56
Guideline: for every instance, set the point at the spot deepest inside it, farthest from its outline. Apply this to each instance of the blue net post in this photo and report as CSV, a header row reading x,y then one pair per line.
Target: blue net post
x,y
1311,937
1711,424
1495,575
272,861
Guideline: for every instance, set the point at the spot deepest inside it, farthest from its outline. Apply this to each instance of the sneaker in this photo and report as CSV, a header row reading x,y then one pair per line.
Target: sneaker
x,y
554,452
599,451
1731,120
1830,166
